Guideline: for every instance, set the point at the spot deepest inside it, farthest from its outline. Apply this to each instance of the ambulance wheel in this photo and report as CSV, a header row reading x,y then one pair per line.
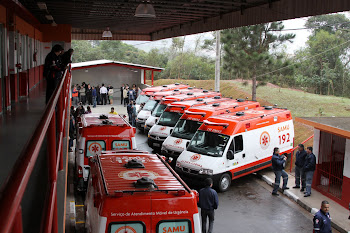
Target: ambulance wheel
x,y
224,182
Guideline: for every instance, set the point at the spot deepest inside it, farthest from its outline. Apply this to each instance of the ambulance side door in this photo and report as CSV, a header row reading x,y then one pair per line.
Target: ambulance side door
x,y
237,150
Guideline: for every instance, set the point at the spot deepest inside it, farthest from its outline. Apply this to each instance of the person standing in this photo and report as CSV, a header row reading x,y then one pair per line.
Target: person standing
x,y
208,202
278,163
82,93
125,96
51,70
309,168
122,94
88,92
299,168
75,99
134,114
131,95
94,97
322,219
110,94
67,57
129,111
103,92
112,111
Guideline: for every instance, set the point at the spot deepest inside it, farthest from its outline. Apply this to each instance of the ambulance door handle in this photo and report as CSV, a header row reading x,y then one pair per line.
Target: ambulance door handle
x,y
243,156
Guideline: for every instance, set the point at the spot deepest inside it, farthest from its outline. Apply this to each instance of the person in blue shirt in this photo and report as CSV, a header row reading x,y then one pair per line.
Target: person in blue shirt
x,y
309,168
278,162
299,168
94,97
322,219
208,202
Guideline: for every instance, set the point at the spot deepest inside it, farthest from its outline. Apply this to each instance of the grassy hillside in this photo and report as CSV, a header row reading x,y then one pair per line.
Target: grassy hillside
x,y
300,103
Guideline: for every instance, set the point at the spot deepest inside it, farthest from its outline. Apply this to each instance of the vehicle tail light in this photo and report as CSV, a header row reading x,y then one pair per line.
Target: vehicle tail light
x,y
288,115
247,126
80,172
180,192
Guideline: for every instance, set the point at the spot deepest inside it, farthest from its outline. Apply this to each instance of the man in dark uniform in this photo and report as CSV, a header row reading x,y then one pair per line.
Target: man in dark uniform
x,y
52,68
322,219
309,168
299,168
208,202
278,162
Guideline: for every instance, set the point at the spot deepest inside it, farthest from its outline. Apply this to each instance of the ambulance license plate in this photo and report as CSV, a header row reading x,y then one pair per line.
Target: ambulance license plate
x,y
156,144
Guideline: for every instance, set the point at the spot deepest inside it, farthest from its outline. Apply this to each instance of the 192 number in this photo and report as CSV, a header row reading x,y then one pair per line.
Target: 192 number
x,y
284,138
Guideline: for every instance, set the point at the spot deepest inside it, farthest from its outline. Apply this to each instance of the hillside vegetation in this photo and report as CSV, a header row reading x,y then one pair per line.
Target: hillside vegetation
x,y
301,104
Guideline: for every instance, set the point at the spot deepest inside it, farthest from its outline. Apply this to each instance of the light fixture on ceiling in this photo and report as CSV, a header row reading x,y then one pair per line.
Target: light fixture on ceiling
x,y
42,5
49,17
145,10
107,33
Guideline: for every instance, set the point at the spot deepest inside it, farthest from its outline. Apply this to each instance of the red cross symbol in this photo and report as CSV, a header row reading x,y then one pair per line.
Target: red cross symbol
x,y
95,148
265,140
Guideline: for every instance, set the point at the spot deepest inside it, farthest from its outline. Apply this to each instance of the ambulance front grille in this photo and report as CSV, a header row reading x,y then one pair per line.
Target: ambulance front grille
x,y
189,170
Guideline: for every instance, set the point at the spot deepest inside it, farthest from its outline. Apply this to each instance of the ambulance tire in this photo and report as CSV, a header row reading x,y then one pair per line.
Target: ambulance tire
x,y
224,183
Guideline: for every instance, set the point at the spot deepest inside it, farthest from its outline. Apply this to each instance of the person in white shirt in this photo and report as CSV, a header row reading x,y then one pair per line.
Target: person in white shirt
x,y
103,92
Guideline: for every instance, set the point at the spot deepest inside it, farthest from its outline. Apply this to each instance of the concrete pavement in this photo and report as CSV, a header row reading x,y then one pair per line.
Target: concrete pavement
x,y
312,204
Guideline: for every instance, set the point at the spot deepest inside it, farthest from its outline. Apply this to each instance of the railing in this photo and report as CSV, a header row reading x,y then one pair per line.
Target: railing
x,y
292,153
16,183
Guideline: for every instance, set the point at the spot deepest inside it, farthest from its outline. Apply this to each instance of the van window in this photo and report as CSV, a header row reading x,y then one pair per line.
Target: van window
x,y
185,129
120,144
142,99
208,143
237,144
169,118
95,147
159,110
149,106
134,227
181,226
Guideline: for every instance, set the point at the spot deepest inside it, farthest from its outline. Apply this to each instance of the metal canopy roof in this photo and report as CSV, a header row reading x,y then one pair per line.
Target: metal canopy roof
x,y
87,64
173,17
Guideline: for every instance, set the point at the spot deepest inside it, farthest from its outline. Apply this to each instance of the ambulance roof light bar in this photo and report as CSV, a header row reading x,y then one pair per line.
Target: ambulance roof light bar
x,y
195,113
225,125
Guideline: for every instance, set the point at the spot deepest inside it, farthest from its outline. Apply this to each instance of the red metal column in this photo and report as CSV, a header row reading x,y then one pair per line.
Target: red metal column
x,y
152,77
144,76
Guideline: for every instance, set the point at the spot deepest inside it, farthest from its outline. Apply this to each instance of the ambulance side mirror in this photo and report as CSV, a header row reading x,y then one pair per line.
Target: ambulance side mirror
x,y
230,155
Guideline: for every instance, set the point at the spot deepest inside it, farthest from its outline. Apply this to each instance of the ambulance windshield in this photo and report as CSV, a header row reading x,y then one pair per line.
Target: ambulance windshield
x,y
149,106
159,110
186,129
141,99
169,118
208,143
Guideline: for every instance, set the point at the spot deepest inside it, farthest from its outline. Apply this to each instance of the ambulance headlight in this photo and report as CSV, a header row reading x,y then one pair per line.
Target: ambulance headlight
x,y
206,172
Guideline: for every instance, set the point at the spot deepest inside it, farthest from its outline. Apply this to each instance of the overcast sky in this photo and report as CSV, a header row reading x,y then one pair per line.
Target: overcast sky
x,y
299,41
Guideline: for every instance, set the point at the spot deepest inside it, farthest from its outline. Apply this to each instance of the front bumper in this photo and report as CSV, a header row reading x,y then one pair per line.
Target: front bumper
x,y
191,175
170,153
155,142
140,124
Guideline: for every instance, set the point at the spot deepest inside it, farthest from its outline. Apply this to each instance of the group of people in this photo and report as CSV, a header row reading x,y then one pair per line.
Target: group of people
x,y
91,95
55,64
128,94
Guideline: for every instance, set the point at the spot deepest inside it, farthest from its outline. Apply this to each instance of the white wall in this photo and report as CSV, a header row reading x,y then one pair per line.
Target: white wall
x,y
109,75
347,159
316,145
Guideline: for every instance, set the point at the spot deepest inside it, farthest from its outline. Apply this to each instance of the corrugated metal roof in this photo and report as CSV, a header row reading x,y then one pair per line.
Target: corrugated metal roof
x,y
103,62
119,178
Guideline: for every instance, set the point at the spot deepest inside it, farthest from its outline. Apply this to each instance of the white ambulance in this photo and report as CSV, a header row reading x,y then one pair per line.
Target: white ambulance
x,y
193,118
148,91
161,106
153,102
232,145
161,130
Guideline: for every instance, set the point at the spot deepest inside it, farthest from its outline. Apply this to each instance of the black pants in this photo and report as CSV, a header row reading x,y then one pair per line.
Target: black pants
x,y
207,214
83,99
104,99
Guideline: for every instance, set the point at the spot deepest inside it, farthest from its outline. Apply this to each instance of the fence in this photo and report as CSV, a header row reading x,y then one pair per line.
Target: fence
x,y
15,186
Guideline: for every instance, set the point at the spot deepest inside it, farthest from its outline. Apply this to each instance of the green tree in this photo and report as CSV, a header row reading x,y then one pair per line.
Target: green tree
x,y
247,50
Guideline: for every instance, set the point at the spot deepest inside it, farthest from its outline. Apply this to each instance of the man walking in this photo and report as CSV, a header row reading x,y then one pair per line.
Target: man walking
x,y
322,219
299,168
208,202
309,168
278,163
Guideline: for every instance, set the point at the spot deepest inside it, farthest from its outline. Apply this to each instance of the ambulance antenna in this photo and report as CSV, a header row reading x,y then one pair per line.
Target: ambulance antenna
x,y
246,98
275,105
